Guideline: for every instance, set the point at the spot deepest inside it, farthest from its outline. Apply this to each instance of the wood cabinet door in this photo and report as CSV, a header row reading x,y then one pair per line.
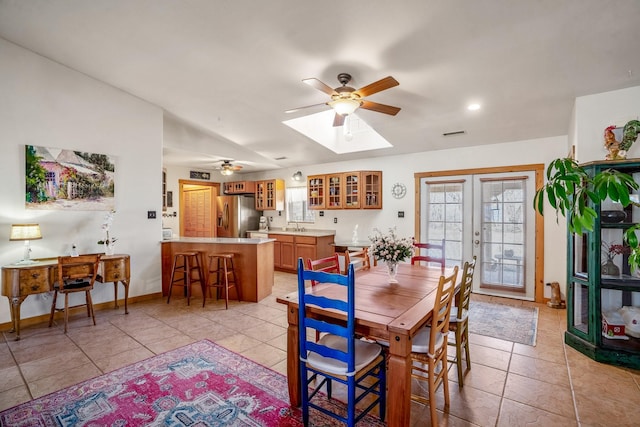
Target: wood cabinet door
x,y
305,251
335,190
287,253
351,182
372,190
277,254
316,191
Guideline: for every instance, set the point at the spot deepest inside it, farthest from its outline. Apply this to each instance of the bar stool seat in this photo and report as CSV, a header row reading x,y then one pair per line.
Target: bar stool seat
x,y
222,275
182,273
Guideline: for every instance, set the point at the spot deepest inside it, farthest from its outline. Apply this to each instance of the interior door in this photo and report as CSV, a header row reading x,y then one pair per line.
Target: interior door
x,y
197,209
488,215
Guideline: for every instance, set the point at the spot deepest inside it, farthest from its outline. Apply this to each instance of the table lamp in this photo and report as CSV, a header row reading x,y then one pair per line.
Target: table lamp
x,y
25,232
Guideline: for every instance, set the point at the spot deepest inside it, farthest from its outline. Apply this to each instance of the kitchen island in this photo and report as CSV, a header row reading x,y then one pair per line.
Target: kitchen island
x,y
293,244
253,263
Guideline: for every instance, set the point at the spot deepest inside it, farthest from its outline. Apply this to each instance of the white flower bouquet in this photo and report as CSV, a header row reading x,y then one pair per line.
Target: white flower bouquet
x,y
389,247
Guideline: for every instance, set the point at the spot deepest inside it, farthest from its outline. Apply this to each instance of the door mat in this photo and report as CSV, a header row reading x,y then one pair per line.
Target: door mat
x,y
506,322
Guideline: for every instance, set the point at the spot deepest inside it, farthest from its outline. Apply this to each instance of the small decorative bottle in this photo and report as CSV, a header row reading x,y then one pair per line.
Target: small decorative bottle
x,y
74,250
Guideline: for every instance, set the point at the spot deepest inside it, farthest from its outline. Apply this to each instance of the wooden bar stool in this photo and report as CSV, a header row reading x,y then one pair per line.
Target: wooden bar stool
x,y
184,265
222,275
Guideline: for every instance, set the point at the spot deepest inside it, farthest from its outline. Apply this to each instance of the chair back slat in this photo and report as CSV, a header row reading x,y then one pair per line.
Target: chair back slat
x,y
360,259
73,271
344,309
330,264
442,308
466,283
428,254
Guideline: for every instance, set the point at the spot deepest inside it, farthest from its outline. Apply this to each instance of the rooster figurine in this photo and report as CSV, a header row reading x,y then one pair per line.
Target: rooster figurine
x,y
618,149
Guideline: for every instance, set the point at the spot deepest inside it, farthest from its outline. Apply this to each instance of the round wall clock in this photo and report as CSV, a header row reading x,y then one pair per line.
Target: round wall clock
x,y
398,190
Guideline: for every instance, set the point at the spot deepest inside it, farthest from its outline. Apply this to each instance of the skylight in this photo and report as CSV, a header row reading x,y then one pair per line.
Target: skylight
x,y
319,127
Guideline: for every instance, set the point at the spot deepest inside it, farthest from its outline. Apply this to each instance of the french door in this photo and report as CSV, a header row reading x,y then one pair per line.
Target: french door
x,y
491,216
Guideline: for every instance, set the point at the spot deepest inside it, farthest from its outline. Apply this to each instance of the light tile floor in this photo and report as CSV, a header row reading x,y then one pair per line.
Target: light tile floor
x,y
510,384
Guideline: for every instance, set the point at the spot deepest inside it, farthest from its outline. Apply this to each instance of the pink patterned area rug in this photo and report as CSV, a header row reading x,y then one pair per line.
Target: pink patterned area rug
x,y
201,384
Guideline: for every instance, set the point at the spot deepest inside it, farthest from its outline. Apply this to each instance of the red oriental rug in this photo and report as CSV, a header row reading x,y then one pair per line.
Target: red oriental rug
x,y
201,384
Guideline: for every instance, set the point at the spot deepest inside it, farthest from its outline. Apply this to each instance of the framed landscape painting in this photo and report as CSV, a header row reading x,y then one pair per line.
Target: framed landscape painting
x,y
57,178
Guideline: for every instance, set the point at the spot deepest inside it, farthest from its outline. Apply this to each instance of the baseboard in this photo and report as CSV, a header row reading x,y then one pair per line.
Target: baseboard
x,y
108,305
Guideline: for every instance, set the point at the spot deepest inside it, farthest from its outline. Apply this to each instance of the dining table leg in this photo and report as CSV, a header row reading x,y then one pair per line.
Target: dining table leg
x,y
293,357
399,381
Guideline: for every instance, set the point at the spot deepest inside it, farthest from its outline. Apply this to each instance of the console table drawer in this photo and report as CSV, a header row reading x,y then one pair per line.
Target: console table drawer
x,y
115,269
35,280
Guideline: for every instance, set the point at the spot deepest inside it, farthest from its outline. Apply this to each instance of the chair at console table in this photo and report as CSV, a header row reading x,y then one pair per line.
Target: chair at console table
x,y
20,281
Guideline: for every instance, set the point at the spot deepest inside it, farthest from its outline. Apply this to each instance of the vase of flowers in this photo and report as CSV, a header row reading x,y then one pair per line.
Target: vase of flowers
x,y
610,250
391,249
109,242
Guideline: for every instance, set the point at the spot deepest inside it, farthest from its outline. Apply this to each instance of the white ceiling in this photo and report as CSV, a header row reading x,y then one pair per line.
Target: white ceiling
x,y
231,68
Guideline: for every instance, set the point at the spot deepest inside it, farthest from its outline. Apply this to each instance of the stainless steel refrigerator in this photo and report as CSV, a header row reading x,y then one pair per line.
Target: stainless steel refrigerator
x,y
236,215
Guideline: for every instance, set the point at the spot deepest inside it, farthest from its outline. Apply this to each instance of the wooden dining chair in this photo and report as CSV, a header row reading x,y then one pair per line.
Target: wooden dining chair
x,y
330,264
459,321
338,356
360,259
428,256
75,274
429,349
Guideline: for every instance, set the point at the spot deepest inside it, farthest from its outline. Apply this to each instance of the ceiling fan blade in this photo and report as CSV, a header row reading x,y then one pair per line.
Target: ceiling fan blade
x,y
375,87
338,120
236,168
315,83
293,110
380,108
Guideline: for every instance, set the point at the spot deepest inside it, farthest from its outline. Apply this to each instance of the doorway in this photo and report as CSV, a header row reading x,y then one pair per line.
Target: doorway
x,y
197,208
488,213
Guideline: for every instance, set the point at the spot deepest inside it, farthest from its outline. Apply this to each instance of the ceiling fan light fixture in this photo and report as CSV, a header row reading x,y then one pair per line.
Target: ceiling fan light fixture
x,y
226,171
345,106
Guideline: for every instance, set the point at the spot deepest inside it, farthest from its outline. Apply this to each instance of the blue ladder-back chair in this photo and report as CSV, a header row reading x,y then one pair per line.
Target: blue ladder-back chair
x,y
338,355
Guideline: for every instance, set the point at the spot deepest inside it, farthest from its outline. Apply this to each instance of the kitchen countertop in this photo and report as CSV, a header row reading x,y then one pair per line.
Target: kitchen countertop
x,y
228,240
308,232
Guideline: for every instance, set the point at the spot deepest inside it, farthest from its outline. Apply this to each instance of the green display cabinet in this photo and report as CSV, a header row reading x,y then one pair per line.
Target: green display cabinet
x,y
603,295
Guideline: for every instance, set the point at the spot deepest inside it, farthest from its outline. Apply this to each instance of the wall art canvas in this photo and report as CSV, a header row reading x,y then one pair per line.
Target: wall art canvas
x,y
61,179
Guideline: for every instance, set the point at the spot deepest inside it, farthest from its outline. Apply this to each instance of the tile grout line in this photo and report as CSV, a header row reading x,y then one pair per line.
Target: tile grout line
x,y
573,393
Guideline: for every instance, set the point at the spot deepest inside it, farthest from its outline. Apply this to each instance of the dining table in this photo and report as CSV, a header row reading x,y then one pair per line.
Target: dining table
x,y
393,312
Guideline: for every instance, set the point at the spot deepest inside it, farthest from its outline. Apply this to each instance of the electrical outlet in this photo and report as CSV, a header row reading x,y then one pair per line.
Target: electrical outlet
x,y
321,213
335,220
151,214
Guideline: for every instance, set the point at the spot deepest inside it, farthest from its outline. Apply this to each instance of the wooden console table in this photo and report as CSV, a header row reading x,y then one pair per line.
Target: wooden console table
x,y
20,281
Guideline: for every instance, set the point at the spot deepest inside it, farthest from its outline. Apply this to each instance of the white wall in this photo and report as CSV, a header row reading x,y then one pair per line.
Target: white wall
x,y
402,169
593,113
47,104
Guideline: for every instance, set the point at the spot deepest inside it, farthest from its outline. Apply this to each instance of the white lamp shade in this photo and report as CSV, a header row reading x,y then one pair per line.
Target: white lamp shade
x,y
25,232
345,106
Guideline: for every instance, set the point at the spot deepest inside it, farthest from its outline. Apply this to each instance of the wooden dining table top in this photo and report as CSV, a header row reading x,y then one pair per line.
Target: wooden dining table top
x,y
401,307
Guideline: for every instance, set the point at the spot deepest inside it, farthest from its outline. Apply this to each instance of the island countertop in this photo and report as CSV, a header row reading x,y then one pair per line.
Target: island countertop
x,y
307,232
219,240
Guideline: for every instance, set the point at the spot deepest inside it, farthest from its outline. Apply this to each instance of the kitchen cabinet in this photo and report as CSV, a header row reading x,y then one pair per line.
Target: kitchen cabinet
x,y
371,182
316,191
603,295
284,251
346,190
239,187
270,195
289,247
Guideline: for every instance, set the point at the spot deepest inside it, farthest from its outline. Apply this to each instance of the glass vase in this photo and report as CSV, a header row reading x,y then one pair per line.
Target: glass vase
x,y
392,270
109,248
610,269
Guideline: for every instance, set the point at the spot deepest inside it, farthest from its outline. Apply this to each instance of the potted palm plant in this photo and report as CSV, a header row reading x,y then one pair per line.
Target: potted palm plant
x,y
569,188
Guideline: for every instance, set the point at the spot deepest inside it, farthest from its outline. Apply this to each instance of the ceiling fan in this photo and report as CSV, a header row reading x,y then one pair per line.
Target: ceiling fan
x,y
227,168
345,99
